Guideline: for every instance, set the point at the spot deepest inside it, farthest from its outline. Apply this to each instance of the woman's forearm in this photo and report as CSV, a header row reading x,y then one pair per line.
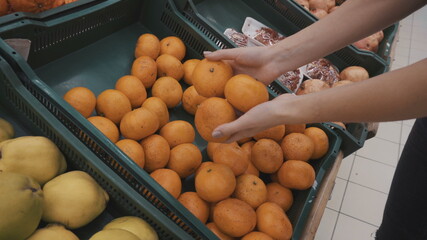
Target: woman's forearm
x,y
400,94
354,20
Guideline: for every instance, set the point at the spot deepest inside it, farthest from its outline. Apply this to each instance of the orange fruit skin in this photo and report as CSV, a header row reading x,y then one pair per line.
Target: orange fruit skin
x,y
275,133
201,166
233,156
157,152
197,206
250,189
247,148
296,174
215,182
178,132
297,146
169,90
106,126
174,46
113,105
217,232
133,88
133,149
209,77
82,99
185,159
280,195
294,128
210,149
189,66
272,220
191,100
244,92
321,141
267,155
169,66
234,217
256,236
138,124
169,180
147,45
145,69
210,114
157,106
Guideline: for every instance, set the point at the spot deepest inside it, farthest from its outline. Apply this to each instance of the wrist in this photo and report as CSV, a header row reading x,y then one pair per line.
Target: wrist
x,y
293,109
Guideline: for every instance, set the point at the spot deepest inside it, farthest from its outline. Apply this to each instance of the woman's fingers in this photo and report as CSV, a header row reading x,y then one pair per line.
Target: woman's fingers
x,y
224,54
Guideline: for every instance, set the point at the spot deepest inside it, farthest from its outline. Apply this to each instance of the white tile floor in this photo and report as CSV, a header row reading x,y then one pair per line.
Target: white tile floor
x,y
355,209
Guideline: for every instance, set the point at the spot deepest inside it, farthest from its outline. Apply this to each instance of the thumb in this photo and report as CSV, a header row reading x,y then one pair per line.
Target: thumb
x,y
227,129
224,54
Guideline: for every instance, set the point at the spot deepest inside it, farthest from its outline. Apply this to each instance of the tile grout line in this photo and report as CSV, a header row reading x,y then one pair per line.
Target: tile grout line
x,y
346,184
410,42
360,220
373,160
386,139
342,200
355,183
377,160
400,143
335,225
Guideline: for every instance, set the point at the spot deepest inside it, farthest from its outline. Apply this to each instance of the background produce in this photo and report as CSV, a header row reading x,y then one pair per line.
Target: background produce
x,y
321,8
32,6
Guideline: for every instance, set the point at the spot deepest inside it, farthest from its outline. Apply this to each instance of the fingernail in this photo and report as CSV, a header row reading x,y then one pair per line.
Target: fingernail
x,y
207,53
216,134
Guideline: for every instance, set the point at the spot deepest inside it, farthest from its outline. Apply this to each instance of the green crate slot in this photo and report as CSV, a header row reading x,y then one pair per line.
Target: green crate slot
x,y
95,56
29,117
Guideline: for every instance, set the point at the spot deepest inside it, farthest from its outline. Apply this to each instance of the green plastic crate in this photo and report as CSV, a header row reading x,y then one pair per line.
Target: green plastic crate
x,y
30,118
89,56
214,16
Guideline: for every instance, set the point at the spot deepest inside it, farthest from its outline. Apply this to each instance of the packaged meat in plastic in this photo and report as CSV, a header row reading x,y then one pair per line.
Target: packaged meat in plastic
x,y
324,70
240,39
291,79
260,32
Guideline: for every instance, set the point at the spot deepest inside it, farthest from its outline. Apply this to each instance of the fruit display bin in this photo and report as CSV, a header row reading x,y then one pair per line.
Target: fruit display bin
x,y
93,48
383,49
30,118
215,16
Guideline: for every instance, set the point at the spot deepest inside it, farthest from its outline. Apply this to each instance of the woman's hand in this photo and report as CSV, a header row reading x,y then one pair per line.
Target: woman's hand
x,y
257,62
259,118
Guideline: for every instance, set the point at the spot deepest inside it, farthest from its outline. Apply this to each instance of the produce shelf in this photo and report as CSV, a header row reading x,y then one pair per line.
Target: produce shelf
x,y
93,48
